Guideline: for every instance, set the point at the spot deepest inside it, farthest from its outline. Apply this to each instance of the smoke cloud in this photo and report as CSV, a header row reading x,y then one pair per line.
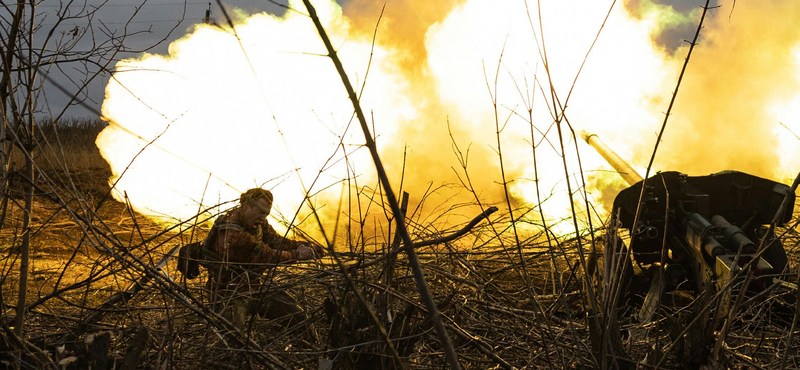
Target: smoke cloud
x,y
442,83
741,79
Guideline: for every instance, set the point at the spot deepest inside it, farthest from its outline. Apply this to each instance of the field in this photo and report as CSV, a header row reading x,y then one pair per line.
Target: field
x,y
98,296
89,283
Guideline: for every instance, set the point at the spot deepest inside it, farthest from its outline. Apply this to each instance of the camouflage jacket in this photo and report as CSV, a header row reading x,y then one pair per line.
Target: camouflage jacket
x,y
240,255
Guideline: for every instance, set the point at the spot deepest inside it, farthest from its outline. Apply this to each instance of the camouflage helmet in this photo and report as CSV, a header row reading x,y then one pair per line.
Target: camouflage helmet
x,y
255,194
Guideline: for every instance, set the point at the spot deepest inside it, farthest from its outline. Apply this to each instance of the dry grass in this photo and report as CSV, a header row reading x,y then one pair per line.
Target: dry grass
x,y
86,249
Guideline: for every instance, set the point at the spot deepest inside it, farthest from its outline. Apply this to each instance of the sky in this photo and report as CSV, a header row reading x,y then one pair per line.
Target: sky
x,y
152,26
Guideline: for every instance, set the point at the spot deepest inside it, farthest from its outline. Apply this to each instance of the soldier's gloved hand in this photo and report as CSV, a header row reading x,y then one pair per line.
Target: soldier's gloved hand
x,y
304,253
319,251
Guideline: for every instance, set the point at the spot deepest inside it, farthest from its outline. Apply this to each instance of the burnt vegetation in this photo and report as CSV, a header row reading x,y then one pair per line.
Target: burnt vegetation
x,y
88,282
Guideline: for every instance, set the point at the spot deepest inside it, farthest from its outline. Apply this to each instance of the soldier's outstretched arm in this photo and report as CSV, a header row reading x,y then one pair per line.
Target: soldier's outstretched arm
x,y
240,246
277,241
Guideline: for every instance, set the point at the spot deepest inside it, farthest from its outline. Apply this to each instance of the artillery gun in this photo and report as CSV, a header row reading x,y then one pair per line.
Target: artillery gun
x,y
699,230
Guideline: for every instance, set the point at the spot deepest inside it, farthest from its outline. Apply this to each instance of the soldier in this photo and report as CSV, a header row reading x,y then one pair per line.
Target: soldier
x,y
239,248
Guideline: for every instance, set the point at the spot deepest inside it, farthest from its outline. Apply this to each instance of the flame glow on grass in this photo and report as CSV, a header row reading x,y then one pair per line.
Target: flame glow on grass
x,y
268,109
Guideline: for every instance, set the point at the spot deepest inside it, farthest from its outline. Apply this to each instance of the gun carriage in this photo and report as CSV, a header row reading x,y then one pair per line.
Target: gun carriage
x,y
700,230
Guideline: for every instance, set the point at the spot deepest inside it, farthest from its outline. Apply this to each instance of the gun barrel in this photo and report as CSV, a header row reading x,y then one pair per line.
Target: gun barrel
x,y
734,237
623,168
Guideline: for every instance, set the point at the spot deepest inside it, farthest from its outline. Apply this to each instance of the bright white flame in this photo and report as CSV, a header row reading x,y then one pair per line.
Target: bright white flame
x,y
234,127
787,114
622,74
